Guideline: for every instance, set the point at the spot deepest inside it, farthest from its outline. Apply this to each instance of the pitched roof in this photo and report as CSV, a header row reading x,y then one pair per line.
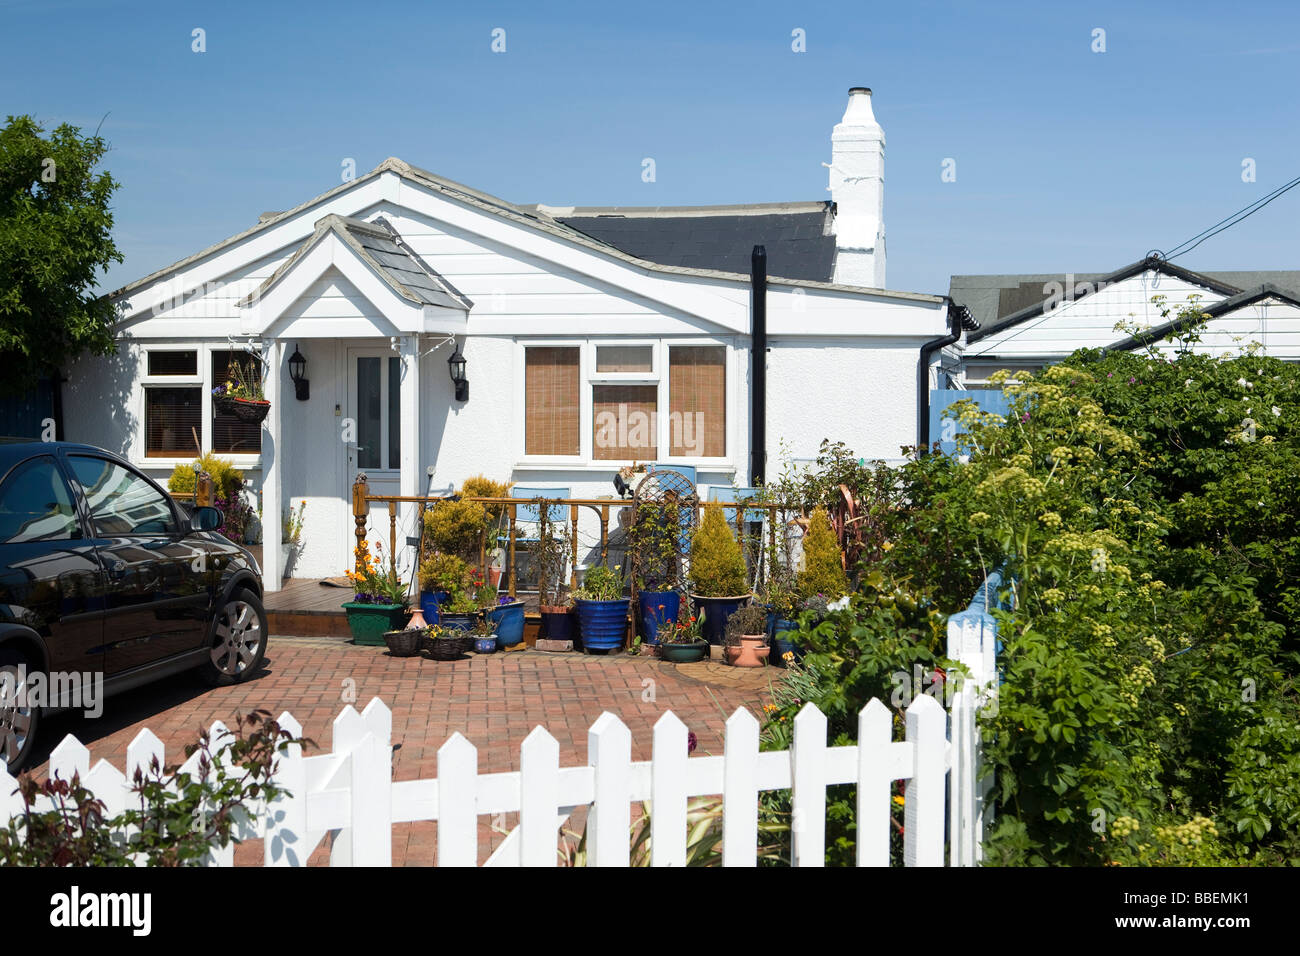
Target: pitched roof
x,y
1000,302
796,236
1266,290
379,245
535,217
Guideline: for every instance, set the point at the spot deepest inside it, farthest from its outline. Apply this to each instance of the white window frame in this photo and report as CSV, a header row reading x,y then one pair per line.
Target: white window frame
x,y
139,456
589,379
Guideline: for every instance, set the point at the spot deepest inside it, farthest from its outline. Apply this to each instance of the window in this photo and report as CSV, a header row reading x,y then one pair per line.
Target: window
x,y
36,505
173,421
625,422
230,435
551,412
697,397
162,362
625,358
379,412
120,501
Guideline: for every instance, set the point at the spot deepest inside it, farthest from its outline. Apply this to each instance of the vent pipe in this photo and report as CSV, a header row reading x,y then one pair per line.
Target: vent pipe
x,y
757,366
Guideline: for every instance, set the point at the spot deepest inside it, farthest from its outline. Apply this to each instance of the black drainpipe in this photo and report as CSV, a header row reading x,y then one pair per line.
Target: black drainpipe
x,y
923,378
758,366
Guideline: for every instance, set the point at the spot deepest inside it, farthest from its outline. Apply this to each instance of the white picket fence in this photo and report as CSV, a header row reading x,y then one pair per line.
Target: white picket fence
x,y
350,792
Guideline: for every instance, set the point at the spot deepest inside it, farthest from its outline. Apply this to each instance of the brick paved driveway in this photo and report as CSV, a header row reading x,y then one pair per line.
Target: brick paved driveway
x,y
494,701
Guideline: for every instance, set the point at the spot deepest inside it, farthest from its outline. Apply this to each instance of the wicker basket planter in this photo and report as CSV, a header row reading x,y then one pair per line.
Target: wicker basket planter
x,y
245,409
405,643
446,648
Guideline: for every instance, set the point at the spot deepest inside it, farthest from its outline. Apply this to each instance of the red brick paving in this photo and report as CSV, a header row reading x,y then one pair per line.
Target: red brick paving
x,y
494,701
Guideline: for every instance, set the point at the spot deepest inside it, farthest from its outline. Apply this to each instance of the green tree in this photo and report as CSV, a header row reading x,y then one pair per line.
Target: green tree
x,y
55,225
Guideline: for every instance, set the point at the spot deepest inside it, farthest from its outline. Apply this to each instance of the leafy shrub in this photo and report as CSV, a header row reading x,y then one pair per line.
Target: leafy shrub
x,y
455,527
717,564
823,567
480,486
227,480
440,571
746,622
601,583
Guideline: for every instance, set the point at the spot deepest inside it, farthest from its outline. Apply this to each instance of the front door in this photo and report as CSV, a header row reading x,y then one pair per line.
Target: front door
x,y
374,408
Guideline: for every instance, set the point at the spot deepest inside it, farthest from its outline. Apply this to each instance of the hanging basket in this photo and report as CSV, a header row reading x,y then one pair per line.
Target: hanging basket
x,y
245,409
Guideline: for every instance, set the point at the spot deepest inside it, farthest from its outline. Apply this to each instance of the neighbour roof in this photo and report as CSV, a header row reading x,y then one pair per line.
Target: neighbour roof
x,y
535,217
379,245
796,236
1266,290
1000,302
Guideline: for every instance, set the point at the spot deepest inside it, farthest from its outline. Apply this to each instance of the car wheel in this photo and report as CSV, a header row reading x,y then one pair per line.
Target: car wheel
x,y
239,634
17,720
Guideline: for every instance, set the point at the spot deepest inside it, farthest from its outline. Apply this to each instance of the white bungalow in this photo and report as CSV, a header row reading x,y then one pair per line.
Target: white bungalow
x,y
592,338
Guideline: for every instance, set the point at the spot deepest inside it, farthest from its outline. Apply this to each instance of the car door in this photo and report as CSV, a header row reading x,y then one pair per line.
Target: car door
x,y
157,594
50,576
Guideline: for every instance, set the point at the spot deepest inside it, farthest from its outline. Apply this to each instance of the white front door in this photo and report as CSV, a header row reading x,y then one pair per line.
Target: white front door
x,y
374,407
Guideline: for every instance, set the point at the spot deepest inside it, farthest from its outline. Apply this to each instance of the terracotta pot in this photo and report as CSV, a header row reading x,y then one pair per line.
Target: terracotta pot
x,y
751,652
494,576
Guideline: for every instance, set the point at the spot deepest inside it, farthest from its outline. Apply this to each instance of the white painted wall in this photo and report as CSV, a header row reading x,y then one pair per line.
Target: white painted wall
x,y
1274,326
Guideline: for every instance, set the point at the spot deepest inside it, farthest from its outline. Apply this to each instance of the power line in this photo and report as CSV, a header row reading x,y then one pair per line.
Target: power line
x,y
1229,222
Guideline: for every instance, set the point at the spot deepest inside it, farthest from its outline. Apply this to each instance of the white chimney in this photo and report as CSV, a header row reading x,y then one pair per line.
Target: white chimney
x,y
858,190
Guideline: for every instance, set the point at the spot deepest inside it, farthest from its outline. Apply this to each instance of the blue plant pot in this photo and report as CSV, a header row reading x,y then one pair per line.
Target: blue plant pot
x,y
431,604
714,612
485,645
459,622
509,619
603,624
557,627
651,617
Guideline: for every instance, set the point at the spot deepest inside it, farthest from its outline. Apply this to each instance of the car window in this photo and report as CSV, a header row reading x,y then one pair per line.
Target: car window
x,y
36,504
120,501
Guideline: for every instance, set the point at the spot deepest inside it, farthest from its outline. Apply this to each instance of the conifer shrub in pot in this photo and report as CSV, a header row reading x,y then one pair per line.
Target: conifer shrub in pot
x,y
746,637
719,579
602,609
441,574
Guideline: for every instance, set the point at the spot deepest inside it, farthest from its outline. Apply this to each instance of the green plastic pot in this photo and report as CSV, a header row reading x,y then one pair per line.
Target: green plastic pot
x,y
369,622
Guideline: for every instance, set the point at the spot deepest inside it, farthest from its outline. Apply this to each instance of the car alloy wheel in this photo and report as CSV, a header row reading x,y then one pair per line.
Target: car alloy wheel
x,y
15,715
239,638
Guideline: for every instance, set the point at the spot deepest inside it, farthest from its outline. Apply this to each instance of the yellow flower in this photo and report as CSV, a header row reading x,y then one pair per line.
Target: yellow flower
x,y
898,799
887,546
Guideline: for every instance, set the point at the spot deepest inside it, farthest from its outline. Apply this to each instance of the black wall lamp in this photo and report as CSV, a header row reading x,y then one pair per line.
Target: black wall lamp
x,y
457,366
297,369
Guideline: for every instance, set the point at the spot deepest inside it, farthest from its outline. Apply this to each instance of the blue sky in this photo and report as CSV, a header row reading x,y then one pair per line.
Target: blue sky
x,y
1066,159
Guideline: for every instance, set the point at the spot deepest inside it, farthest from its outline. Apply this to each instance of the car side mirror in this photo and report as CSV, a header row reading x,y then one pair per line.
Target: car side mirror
x,y
204,518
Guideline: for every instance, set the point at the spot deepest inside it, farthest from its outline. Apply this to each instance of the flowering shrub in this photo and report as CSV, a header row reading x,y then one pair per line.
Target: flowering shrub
x,y
376,582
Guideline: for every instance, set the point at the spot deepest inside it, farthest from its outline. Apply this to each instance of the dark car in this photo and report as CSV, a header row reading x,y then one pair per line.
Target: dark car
x,y
103,577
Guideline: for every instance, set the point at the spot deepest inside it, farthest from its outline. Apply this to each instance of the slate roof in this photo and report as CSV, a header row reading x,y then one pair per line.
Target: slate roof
x,y
999,301
379,245
797,236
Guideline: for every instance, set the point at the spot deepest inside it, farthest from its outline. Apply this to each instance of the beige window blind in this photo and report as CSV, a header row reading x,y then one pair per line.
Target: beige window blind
x,y
551,395
697,396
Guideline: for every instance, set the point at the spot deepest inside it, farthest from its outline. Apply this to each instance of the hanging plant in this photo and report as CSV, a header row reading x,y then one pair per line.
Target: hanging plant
x,y
242,393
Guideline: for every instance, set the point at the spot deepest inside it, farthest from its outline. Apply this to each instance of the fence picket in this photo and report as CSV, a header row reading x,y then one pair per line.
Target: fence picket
x,y
372,802
457,802
808,797
539,800
923,814
874,779
286,815
740,791
609,752
668,792
70,758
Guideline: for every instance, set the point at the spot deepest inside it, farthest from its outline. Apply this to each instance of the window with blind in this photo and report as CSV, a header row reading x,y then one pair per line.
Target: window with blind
x,y
551,401
624,422
230,435
697,397
173,421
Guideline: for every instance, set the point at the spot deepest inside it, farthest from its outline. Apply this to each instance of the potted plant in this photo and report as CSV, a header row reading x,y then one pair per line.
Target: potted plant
x,y
719,578
241,394
444,643
505,613
459,612
602,609
485,636
551,554
405,643
291,536
782,619
680,642
441,574
654,543
746,637
379,602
